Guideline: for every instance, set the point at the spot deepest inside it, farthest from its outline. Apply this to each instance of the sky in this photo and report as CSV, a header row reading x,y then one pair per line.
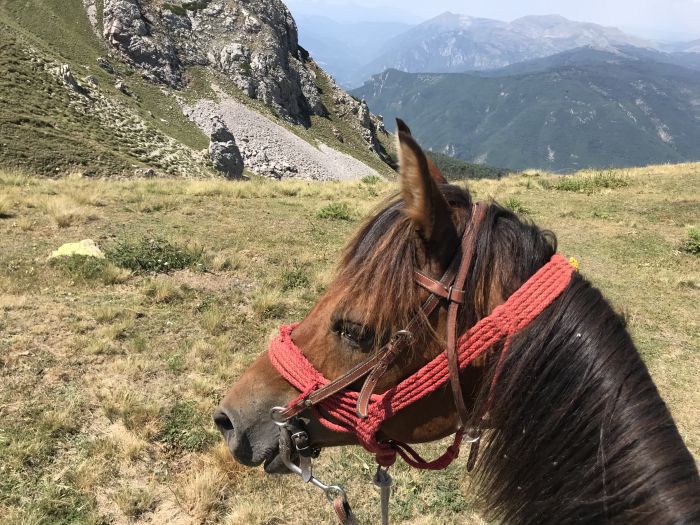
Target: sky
x,y
656,19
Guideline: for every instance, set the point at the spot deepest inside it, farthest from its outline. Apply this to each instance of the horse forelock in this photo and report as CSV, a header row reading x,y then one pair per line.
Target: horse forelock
x,y
378,265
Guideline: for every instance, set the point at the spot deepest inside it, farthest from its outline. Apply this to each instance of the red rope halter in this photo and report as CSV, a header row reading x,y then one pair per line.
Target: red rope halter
x,y
338,412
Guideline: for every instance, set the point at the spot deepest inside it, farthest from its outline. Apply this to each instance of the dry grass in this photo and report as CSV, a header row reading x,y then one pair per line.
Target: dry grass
x,y
6,207
107,384
66,212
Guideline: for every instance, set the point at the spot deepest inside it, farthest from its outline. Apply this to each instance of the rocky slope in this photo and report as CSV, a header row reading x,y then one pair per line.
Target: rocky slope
x,y
273,150
146,60
255,44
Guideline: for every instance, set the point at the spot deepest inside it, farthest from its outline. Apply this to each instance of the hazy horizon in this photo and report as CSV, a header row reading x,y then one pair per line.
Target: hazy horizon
x,y
662,20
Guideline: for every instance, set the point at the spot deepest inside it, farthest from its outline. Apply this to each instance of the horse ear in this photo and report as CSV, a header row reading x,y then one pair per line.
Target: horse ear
x,y
402,127
424,202
435,173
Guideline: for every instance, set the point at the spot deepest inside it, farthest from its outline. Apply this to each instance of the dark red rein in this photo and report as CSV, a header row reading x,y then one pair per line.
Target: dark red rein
x,y
337,408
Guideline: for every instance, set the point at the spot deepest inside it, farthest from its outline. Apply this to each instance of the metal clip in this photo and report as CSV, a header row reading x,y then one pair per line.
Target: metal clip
x,y
472,435
277,417
383,481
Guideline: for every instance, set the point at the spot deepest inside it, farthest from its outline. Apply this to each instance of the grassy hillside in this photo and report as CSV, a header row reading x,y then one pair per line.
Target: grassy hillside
x,y
49,129
108,376
593,111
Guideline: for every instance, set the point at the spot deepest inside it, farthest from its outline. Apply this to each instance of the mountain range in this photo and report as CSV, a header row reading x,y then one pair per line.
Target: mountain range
x,y
587,107
454,43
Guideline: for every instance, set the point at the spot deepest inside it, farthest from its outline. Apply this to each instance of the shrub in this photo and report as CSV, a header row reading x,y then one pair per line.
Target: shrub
x,y
691,244
516,205
154,255
335,211
589,184
371,179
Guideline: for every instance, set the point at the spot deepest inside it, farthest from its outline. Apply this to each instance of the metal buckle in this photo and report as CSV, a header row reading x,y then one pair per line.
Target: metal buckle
x,y
402,333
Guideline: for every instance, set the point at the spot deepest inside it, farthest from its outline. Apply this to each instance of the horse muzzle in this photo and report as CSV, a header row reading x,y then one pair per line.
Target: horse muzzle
x,y
250,444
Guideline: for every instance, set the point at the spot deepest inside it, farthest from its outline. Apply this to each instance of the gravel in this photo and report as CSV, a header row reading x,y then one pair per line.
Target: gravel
x,y
271,150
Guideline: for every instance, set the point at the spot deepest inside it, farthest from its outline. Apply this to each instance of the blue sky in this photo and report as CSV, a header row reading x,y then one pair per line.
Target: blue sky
x,y
659,19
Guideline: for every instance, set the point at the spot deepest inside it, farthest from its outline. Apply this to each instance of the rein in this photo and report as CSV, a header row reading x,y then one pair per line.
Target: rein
x,y
363,412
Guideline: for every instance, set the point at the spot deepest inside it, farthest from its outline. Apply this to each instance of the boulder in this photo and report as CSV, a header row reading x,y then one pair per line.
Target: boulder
x,y
104,64
223,151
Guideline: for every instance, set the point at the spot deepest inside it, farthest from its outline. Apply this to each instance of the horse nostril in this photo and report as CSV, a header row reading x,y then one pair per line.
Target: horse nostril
x,y
223,422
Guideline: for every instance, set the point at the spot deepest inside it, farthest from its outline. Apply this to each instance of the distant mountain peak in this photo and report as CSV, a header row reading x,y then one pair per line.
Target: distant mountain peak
x,y
453,43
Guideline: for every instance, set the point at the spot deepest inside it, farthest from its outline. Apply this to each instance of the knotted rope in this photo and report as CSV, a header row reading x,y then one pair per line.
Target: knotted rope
x,y
338,412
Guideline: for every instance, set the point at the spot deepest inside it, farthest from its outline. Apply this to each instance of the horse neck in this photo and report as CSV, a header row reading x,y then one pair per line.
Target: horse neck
x,y
581,434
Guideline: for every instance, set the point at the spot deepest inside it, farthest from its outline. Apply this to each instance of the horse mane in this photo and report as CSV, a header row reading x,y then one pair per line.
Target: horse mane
x,y
579,433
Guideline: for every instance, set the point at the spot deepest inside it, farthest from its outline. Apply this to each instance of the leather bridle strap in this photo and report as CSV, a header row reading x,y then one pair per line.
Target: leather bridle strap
x,y
455,295
468,250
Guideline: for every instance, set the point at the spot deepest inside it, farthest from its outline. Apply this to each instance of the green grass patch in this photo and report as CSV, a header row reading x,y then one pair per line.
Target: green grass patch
x,y
181,9
84,268
296,276
155,255
187,428
371,179
588,183
514,204
691,244
338,211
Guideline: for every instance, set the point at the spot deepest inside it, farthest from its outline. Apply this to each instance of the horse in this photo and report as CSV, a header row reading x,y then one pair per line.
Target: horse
x,y
574,428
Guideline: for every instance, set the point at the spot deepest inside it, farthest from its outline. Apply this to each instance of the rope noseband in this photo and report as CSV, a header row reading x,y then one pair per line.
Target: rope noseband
x,y
363,412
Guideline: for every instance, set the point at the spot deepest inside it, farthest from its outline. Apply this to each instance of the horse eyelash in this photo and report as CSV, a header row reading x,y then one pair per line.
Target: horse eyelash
x,y
356,335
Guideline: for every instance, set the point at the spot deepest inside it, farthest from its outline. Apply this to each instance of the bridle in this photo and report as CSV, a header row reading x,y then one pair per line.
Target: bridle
x,y
363,412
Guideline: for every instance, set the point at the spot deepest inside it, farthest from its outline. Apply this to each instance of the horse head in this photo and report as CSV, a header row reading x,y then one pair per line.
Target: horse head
x,y
577,431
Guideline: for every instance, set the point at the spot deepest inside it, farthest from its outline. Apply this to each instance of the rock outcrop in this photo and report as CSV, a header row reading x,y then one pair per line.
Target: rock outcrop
x,y
69,80
128,29
254,43
223,151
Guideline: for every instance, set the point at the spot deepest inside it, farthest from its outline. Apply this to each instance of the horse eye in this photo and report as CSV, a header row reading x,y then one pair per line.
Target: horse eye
x,y
356,335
